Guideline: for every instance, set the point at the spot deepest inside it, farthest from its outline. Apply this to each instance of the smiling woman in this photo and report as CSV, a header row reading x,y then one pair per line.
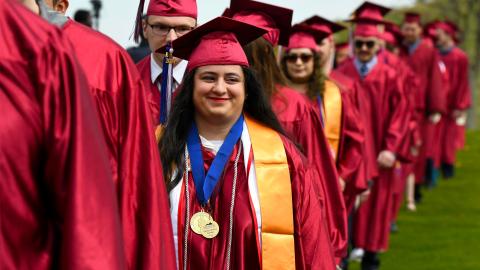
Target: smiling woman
x,y
242,195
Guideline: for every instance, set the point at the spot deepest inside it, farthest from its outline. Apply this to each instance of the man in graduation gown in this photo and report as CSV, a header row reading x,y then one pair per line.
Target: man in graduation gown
x,y
430,97
58,204
350,164
384,105
164,22
452,126
298,118
121,104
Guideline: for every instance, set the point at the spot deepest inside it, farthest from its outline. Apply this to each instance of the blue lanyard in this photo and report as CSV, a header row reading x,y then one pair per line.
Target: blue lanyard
x,y
204,185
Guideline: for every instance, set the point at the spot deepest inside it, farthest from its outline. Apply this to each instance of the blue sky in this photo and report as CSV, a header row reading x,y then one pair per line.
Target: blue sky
x,y
118,16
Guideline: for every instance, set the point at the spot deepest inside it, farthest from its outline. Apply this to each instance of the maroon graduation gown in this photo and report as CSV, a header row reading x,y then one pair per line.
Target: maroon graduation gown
x,y
412,137
125,118
351,162
384,103
302,123
152,92
58,204
430,98
312,244
459,98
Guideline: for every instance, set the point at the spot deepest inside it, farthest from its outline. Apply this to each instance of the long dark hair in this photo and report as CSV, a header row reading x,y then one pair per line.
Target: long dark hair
x,y
316,83
172,143
261,56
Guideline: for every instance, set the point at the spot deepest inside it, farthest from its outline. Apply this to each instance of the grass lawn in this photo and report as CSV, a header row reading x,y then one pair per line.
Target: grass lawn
x,y
444,233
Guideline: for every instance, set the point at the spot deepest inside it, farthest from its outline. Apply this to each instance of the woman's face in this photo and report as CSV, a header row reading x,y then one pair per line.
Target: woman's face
x,y
219,93
300,64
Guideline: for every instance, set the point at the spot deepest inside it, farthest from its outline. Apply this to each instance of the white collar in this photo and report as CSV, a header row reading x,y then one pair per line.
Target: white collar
x,y
178,70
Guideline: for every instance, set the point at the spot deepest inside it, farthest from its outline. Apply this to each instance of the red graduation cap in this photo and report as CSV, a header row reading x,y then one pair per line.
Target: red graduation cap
x,y
324,25
342,46
392,34
368,28
449,27
276,20
217,42
169,8
369,11
305,36
430,29
412,17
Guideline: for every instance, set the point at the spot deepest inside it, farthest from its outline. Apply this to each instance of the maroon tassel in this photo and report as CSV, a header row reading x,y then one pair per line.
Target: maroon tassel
x,y
138,22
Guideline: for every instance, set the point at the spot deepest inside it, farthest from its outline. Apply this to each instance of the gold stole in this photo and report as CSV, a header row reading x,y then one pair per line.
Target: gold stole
x,y
275,192
159,133
332,102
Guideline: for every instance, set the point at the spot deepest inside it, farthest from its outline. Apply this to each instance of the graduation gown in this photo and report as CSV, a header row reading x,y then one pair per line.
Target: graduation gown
x,y
126,122
312,244
459,98
412,137
430,98
351,162
302,123
152,92
384,105
58,204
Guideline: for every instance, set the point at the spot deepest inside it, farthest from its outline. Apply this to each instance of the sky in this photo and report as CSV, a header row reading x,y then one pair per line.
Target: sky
x,y
117,17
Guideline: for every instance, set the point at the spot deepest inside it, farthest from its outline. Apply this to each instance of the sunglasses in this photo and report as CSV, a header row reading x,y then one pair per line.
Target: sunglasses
x,y
292,58
360,43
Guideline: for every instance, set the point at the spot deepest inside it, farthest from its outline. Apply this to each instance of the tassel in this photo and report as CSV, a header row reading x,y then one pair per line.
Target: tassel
x,y
166,91
138,22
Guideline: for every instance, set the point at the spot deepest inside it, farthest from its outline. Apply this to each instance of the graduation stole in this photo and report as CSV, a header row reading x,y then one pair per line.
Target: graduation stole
x,y
332,102
275,192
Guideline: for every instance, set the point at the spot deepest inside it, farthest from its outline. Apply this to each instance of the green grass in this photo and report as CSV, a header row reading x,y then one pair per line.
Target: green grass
x,y
444,233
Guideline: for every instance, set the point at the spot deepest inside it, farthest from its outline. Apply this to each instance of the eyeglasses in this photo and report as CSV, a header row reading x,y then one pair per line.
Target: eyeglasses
x,y
293,58
163,30
369,43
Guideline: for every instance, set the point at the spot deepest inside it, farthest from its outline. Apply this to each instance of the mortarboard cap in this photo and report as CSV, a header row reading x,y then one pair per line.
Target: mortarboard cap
x,y
217,42
305,36
276,20
342,46
369,11
323,24
412,17
368,28
169,8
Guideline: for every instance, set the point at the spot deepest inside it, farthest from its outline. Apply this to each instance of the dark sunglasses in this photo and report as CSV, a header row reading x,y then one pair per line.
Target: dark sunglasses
x,y
369,43
292,58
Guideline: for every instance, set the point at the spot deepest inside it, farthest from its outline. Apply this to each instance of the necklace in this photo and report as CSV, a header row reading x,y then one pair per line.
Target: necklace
x,y
209,228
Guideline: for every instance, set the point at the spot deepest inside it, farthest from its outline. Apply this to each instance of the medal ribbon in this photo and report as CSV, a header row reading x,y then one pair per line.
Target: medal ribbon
x,y
204,185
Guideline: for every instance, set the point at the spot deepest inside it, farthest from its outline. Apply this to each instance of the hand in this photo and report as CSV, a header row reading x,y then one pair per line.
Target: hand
x,y
386,159
364,196
414,151
460,117
342,184
434,118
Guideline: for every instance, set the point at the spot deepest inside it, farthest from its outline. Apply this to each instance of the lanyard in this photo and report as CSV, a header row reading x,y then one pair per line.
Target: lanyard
x,y
204,184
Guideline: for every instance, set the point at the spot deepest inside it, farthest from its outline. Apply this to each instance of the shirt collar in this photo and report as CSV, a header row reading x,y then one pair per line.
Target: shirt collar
x,y
414,46
446,51
178,70
370,64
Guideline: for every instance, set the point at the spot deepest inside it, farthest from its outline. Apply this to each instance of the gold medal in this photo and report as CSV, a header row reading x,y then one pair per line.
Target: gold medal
x,y
210,230
198,221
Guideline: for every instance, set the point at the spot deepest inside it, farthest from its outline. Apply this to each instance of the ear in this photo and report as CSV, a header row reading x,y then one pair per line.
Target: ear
x,y
144,27
62,6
